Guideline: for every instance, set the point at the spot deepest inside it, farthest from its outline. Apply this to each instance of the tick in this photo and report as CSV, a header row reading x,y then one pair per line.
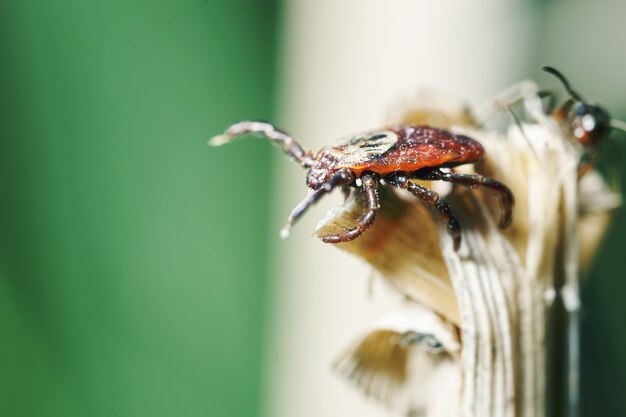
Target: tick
x,y
582,121
393,156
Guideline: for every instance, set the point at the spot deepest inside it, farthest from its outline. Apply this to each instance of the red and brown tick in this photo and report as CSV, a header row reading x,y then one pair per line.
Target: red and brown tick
x,y
394,155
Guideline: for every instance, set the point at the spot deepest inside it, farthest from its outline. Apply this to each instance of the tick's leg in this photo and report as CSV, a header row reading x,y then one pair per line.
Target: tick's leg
x,y
551,102
370,198
430,198
512,97
342,177
346,192
289,145
478,181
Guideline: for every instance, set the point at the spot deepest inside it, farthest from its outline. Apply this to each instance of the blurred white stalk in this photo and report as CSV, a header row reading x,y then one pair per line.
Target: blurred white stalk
x,y
343,62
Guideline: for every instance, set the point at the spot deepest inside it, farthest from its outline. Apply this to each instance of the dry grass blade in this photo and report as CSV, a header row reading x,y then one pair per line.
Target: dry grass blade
x,y
498,288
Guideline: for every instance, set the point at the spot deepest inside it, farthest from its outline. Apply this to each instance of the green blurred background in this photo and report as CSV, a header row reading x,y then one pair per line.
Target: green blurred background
x,y
133,259
126,288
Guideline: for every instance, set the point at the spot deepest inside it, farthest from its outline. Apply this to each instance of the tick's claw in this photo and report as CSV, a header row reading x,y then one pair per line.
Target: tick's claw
x,y
505,221
506,204
456,243
219,140
284,232
330,239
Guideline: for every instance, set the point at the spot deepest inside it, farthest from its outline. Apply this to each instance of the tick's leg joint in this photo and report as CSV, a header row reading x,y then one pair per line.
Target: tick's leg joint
x,y
289,145
432,199
371,206
490,185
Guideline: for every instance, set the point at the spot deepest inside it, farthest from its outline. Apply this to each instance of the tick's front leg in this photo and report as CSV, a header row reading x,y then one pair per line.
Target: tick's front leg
x,y
289,145
342,177
370,197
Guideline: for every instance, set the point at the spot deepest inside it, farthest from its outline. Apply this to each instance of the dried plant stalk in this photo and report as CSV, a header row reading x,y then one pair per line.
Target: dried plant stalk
x,y
498,288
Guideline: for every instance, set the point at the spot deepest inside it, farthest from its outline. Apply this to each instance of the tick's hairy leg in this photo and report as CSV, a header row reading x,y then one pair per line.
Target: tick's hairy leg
x,y
507,201
432,199
342,177
370,198
289,145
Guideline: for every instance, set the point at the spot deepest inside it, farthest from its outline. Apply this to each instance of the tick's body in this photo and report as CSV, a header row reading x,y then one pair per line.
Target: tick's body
x,y
405,148
396,155
398,148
